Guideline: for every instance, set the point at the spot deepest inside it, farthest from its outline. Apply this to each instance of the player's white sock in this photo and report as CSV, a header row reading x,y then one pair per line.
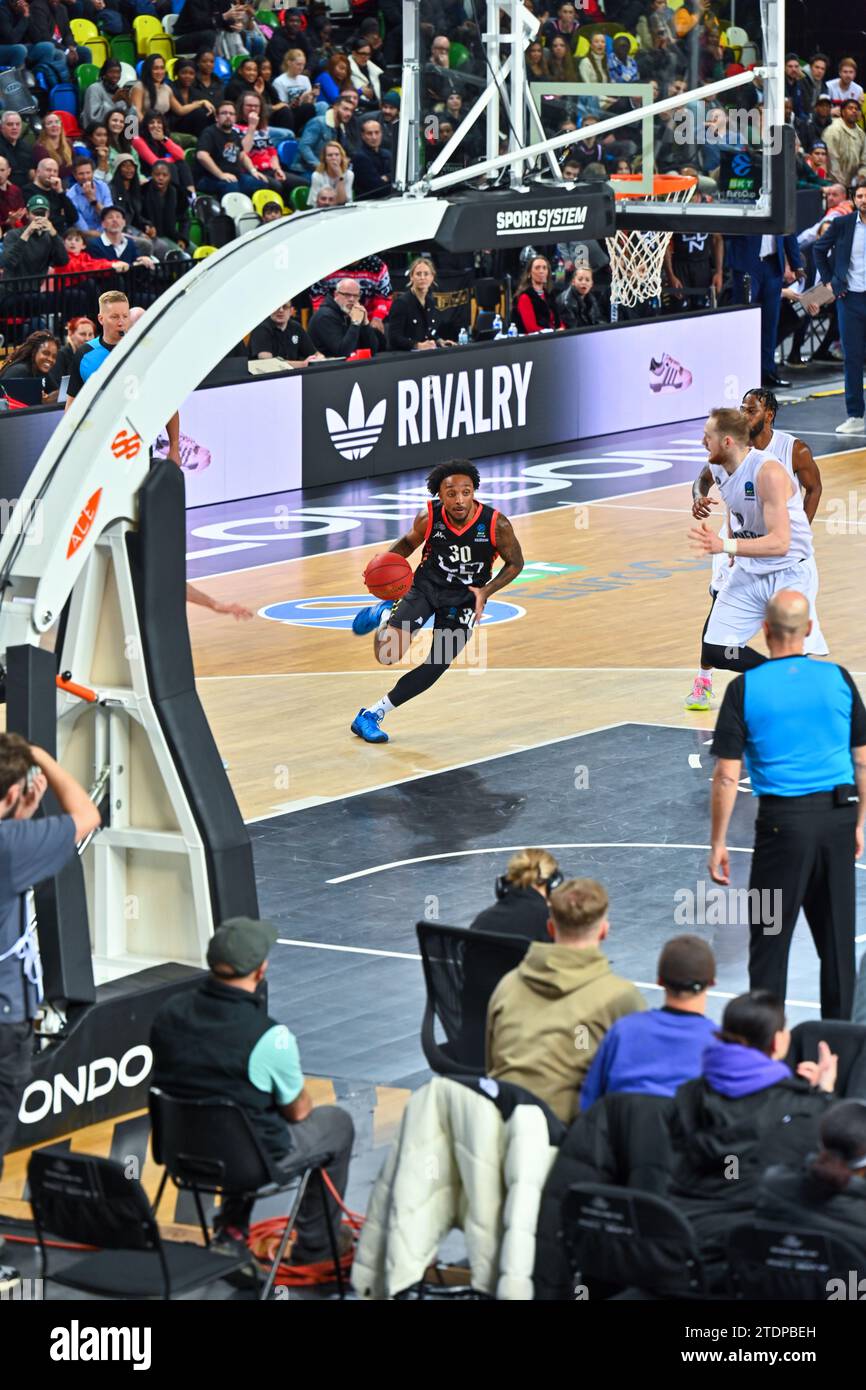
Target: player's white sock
x,y
381,707
707,674
385,618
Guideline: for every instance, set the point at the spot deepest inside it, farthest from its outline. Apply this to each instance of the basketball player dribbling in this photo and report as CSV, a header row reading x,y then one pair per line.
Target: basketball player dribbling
x,y
760,408
770,539
461,538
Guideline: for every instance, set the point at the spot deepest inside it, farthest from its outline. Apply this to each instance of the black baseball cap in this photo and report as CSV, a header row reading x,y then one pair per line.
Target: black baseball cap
x,y
241,943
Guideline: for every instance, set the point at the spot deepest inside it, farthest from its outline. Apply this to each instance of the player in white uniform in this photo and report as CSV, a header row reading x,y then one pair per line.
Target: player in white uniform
x,y
770,539
760,407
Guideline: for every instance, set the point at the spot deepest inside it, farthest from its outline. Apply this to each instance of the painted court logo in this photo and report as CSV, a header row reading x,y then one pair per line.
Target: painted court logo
x,y
355,437
334,612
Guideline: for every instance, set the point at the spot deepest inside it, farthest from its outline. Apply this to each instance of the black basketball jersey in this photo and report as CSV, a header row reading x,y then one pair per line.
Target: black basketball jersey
x,y
694,248
451,557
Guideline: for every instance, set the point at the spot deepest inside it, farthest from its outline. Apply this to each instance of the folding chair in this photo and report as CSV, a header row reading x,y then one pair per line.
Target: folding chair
x,y
266,195
162,44
145,27
286,152
300,197
631,1239
85,75
210,1147
461,970
85,33
123,48
236,204
92,1201
770,1260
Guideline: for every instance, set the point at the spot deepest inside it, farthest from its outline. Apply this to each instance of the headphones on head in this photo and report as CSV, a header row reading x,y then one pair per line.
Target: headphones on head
x,y
504,883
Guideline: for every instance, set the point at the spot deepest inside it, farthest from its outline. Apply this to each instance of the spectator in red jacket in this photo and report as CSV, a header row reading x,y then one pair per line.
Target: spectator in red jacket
x,y
79,261
535,307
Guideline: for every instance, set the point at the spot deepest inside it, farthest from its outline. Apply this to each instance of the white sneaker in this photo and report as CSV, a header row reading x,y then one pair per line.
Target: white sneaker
x,y
855,424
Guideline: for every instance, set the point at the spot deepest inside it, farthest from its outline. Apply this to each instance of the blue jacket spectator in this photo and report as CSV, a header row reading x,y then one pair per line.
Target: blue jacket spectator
x,y
337,124
655,1052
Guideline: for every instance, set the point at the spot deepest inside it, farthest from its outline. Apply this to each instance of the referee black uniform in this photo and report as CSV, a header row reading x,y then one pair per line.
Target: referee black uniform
x,y
795,721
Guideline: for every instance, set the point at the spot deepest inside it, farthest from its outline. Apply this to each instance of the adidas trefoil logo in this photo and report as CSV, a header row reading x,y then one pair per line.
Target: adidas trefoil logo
x,y
355,438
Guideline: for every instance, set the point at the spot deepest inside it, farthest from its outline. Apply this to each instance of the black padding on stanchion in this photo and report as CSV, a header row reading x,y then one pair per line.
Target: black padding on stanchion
x,y
61,902
157,555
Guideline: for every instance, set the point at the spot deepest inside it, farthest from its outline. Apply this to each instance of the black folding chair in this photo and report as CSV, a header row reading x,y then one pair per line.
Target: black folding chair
x,y
210,1146
461,970
770,1261
91,1201
630,1239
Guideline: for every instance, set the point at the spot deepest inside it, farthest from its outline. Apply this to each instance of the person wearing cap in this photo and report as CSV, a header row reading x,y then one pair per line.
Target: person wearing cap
x,y
653,1053
814,128
33,249
219,1042
389,119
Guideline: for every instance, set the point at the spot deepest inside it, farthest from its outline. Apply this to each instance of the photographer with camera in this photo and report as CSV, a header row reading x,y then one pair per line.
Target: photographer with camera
x,y
30,852
522,896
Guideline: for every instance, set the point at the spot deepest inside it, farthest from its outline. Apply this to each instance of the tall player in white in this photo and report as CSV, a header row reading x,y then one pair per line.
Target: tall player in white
x,y
760,408
770,540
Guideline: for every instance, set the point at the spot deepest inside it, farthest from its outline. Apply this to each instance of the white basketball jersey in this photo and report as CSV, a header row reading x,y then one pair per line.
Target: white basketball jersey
x,y
740,495
781,447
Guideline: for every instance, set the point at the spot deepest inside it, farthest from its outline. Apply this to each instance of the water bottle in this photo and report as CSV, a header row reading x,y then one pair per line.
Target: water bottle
x,y
512,330
497,327
462,338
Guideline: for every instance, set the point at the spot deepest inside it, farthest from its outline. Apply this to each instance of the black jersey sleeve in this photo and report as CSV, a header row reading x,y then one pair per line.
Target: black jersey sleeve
x,y
76,381
729,739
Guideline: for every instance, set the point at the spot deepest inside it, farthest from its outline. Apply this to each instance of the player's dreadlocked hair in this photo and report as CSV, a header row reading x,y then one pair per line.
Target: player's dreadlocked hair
x,y
767,399
436,478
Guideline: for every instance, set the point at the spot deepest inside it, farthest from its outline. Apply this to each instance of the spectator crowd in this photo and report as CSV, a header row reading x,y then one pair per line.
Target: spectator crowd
x,y
138,155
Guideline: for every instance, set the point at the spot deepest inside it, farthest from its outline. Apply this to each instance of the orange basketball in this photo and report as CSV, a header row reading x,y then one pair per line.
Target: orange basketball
x,y
388,576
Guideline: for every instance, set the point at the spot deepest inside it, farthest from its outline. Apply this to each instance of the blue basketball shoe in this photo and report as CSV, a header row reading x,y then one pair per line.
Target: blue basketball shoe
x,y
369,618
368,726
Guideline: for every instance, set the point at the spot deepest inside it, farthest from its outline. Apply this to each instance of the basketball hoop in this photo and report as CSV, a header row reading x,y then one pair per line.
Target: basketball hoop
x,y
636,258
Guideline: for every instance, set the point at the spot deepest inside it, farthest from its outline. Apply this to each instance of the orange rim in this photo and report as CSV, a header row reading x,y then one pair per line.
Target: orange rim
x,y
663,185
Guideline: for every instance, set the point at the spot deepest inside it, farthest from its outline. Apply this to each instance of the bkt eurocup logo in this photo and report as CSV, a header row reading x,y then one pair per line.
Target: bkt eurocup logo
x,y
355,437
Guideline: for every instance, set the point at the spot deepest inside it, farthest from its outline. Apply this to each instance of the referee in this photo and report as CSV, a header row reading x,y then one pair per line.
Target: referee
x,y
801,726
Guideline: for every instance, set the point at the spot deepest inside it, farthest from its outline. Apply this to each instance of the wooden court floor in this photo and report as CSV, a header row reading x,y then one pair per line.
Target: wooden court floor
x,y
615,639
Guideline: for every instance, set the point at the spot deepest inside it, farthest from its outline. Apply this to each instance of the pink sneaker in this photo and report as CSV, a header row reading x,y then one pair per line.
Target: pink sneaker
x,y
701,694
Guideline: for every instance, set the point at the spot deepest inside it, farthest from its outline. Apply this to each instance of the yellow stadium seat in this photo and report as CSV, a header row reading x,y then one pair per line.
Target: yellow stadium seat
x,y
266,195
145,27
202,252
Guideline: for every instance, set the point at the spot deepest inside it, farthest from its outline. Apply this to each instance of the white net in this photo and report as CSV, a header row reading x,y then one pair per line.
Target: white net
x,y
636,258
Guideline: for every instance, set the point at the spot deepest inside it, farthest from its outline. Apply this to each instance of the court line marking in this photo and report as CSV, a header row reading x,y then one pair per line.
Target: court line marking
x,y
512,849
346,550
411,955
505,670
457,767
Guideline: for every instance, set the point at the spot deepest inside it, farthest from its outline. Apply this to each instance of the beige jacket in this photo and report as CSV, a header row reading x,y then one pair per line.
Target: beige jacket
x,y
846,150
546,1019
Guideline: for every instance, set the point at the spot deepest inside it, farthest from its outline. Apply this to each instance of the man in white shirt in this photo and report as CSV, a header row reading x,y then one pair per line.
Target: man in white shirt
x,y
840,255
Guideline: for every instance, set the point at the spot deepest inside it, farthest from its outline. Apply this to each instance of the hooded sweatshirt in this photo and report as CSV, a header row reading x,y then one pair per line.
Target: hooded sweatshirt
x,y
744,1113
547,1017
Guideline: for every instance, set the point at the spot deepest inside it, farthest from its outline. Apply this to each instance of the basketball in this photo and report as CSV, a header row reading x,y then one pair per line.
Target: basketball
x,y
388,576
